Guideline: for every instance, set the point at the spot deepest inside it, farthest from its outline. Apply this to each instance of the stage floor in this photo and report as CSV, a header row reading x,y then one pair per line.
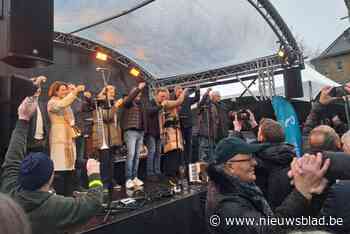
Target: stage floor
x,y
155,211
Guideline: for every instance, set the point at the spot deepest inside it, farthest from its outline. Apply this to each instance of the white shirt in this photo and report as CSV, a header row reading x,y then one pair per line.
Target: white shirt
x,y
39,130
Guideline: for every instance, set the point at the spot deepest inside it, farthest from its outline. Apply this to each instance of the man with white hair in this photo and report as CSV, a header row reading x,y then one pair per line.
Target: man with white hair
x,y
212,123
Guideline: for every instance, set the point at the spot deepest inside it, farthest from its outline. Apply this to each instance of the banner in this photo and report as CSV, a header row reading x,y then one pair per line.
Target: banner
x,y
287,117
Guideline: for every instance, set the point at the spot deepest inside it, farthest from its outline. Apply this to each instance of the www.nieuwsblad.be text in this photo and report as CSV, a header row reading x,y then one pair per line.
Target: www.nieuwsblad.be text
x,y
216,221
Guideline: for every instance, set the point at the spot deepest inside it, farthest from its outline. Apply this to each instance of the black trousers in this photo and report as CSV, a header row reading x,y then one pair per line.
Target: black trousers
x,y
63,182
172,162
187,137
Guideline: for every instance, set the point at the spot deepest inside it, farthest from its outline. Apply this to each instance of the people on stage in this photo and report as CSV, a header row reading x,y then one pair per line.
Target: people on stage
x,y
170,133
106,132
134,124
186,119
62,134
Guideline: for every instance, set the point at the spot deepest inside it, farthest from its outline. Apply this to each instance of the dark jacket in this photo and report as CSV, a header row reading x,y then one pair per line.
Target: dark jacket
x,y
317,117
273,164
185,112
212,116
152,112
133,117
229,197
32,127
48,213
337,205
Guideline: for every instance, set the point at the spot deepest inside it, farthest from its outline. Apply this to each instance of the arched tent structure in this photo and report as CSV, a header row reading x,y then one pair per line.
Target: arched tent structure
x,y
182,42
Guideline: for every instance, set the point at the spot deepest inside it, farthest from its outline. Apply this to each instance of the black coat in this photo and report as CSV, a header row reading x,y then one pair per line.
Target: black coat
x,y
228,197
32,128
273,164
185,112
337,205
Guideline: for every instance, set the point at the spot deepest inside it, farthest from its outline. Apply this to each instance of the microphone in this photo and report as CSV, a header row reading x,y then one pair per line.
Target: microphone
x,y
102,69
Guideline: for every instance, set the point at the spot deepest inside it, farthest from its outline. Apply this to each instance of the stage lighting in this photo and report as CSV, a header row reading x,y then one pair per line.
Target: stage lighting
x,y
280,53
101,56
134,72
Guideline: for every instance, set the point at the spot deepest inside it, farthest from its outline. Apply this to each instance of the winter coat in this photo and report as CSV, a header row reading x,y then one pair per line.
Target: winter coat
x,y
229,197
337,205
185,112
47,212
273,164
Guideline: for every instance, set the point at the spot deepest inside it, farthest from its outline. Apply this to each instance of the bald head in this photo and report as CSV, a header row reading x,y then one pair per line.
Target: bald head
x,y
215,96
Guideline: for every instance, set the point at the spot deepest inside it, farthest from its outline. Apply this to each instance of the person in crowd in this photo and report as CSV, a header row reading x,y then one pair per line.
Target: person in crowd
x,y
62,134
273,162
13,219
171,136
134,125
27,178
186,120
38,136
324,138
316,115
243,125
106,132
152,135
212,124
233,193
336,204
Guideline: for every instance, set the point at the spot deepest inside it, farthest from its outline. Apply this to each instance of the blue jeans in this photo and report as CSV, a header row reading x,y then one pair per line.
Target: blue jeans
x,y
134,141
153,157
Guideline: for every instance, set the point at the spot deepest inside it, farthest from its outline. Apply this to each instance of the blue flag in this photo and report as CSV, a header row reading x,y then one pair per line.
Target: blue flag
x,y
287,117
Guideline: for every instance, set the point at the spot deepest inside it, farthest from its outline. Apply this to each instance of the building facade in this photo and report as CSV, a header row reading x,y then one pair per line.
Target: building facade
x,y
334,62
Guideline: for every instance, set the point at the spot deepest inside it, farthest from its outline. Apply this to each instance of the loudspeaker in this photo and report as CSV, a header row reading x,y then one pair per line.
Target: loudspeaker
x,y
26,33
293,86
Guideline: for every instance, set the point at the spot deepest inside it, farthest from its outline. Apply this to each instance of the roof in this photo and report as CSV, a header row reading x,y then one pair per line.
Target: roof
x,y
168,37
340,46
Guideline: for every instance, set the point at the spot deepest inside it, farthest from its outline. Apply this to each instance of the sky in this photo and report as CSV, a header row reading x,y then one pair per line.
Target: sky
x,y
317,22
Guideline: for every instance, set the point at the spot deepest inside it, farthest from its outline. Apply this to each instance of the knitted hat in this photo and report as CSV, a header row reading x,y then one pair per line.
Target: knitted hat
x,y
231,146
36,170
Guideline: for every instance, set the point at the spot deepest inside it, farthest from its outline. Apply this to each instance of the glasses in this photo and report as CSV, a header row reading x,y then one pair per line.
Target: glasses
x,y
251,158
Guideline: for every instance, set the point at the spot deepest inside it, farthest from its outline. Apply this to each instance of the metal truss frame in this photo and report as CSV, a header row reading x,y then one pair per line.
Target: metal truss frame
x,y
247,69
71,40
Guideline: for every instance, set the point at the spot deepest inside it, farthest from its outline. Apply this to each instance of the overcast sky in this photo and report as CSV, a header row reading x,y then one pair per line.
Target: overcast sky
x,y
316,21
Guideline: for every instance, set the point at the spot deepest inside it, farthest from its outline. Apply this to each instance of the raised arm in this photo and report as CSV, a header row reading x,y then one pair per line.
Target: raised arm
x,y
57,105
132,95
17,147
170,104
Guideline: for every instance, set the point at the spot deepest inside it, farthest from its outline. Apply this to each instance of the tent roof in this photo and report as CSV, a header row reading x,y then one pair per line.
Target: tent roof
x,y
170,37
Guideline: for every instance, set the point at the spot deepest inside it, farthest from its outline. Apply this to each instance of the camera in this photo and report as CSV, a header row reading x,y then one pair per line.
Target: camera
x,y
338,92
243,116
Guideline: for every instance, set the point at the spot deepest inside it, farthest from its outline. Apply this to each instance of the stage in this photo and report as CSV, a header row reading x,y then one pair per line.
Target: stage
x,y
155,211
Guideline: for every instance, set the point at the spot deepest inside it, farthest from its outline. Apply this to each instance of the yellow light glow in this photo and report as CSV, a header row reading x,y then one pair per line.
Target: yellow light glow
x,y
101,56
135,72
281,53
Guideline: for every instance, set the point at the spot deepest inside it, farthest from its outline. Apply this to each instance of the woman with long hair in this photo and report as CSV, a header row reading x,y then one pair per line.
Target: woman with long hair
x,y
62,134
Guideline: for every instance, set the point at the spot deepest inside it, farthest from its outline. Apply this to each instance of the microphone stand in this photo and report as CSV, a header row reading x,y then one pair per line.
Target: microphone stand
x,y
110,162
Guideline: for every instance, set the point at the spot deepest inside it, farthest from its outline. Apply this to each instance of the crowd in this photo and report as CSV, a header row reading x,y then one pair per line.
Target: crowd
x,y
253,172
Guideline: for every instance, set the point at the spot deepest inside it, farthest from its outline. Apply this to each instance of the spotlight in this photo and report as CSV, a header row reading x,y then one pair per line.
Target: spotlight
x,y
101,56
134,72
281,53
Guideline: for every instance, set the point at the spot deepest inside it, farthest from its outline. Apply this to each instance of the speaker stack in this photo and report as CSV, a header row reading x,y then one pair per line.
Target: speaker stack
x,y
26,32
